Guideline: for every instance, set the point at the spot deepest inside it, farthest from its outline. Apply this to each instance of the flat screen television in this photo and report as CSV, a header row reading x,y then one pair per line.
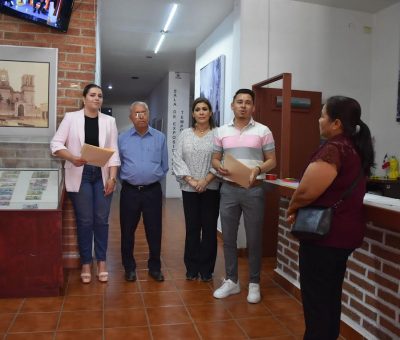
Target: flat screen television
x,y
50,13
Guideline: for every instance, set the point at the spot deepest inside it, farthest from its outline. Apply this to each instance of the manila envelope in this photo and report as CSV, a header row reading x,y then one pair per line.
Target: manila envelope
x,y
239,173
96,156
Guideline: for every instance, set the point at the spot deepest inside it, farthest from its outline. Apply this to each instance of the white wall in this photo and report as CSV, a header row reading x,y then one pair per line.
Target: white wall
x,y
385,71
335,51
158,101
325,48
221,42
121,114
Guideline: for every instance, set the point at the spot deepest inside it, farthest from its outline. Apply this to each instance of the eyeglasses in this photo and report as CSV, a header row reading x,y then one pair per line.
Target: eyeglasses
x,y
141,114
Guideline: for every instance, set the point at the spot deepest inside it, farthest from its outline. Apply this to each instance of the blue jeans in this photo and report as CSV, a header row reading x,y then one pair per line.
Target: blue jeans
x,y
91,212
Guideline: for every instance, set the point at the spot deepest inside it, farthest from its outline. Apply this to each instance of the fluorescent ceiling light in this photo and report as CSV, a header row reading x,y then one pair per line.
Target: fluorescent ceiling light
x,y
110,87
159,43
170,17
165,29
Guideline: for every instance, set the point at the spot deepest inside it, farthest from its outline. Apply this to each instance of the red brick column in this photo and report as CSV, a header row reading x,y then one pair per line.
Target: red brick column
x,y
76,68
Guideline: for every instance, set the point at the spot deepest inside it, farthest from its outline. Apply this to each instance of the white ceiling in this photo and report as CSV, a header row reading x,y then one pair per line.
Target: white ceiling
x,y
130,29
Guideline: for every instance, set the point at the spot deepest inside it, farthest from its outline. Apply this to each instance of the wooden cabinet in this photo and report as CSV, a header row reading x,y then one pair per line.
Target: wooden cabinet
x,y
30,253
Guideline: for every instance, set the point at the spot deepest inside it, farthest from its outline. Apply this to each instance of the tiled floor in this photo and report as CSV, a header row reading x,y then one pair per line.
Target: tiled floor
x,y
145,309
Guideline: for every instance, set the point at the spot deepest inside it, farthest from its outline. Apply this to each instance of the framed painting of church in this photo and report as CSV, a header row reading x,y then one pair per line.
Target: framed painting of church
x,y
28,89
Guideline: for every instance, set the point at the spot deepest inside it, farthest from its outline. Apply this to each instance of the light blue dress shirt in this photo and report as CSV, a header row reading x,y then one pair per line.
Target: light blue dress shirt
x,y
144,159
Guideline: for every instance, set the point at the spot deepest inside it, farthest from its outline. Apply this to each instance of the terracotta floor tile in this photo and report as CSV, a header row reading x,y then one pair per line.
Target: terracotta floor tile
x,y
146,309
31,336
10,305
131,333
143,275
198,297
125,317
141,256
45,304
143,248
153,286
240,310
284,306
158,299
80,320
123,300
295,323
86,302
274,293
35,322
168,315
220,330
79,288
174,332
183,284
5,321
116,287
263,327
285,337
209,312
90,334
178,273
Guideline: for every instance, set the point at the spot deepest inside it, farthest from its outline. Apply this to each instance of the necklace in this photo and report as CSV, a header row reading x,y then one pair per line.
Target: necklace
x,y
202,131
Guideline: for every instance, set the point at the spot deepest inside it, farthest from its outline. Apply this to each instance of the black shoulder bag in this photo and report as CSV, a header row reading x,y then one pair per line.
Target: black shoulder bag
x,y
314,222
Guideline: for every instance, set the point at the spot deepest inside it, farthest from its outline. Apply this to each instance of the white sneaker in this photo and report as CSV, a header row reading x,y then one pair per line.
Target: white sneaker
x,y
228,288
254,293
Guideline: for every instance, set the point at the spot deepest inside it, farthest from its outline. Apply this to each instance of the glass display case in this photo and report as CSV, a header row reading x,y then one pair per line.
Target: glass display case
x,y
30,188
31,198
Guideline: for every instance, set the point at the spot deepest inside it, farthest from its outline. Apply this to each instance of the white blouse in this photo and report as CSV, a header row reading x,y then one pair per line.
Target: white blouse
x,y
192,157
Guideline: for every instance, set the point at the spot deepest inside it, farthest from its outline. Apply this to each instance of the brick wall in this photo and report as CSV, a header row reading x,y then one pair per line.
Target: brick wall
x,y
76,68
371,290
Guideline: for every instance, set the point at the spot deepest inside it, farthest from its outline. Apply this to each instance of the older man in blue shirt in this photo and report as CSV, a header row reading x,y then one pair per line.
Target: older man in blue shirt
x,y
144,162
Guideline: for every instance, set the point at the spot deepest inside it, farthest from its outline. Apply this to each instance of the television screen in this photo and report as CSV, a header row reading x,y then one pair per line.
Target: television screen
x,y
50,13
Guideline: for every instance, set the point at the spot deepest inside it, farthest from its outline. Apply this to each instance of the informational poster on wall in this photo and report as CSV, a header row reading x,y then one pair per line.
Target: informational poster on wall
x,y
178,119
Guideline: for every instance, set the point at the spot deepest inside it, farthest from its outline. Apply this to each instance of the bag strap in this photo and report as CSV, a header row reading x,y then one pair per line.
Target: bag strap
x,y
349,190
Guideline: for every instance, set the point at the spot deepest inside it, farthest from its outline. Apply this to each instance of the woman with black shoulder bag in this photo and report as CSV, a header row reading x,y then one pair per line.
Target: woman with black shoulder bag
x,y
338,168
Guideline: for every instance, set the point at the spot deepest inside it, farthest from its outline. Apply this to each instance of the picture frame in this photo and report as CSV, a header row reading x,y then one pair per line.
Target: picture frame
x,y
28,91
212,86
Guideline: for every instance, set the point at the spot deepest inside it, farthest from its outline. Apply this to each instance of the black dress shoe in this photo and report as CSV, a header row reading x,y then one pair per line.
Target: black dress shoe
x,y
191,277
156,275
130,276
206,278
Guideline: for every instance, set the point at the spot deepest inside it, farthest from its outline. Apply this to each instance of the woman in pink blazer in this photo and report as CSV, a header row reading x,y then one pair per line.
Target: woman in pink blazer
x,y
89,187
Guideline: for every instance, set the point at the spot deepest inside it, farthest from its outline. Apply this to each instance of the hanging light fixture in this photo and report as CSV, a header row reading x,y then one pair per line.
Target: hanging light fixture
x,y
166,26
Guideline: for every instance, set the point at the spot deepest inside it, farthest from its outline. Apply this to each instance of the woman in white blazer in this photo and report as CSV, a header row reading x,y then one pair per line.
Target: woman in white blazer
x,y
89,187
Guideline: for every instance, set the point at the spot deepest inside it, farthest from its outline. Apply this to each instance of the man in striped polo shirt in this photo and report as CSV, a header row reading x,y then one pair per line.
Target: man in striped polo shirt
x,y
253,144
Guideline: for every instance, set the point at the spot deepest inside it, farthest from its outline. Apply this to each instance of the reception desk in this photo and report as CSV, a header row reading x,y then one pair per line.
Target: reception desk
x,y
371,290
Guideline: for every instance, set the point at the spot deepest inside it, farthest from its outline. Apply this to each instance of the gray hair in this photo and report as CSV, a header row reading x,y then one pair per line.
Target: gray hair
x,y
139,103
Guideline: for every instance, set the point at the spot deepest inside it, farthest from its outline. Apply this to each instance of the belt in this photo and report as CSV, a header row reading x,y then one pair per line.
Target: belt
x,y
256,183
140,187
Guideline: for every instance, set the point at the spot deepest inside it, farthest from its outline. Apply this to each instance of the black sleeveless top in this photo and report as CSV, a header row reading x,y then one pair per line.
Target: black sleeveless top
x,y
92,131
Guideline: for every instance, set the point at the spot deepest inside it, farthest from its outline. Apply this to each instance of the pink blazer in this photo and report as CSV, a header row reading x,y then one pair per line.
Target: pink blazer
x,y
70,135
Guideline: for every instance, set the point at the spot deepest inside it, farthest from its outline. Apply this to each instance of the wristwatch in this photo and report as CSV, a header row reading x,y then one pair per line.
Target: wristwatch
x,y
113,179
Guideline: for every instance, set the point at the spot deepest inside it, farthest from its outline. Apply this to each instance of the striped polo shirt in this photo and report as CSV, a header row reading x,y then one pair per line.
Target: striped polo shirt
x,y
247,145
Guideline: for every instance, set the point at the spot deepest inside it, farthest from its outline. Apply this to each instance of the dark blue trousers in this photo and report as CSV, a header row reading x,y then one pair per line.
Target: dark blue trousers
x,y
136,201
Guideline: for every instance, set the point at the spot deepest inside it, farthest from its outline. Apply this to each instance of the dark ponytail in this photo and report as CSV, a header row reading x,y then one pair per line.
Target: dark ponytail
x,y
348,111
363,143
